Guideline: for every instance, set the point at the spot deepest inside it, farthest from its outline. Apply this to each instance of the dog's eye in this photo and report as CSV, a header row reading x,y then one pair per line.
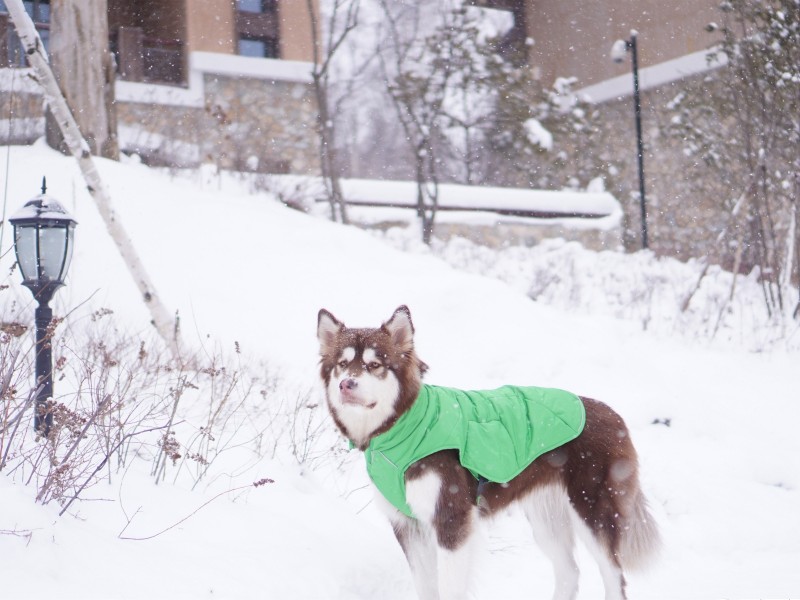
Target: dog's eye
x,y
342,364
373,365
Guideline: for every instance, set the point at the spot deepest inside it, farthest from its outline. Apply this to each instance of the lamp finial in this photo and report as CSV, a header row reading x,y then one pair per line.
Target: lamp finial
x,y
44,185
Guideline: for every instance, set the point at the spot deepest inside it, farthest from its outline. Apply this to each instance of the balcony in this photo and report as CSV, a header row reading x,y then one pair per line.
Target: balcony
x,y
148,59
139,57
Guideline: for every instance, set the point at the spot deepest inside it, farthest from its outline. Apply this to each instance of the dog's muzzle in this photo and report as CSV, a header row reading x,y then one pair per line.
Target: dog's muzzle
x,y
348,392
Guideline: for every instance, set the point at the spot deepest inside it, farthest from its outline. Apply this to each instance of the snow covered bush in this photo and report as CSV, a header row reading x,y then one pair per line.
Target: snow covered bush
x,y
107,408
669,297
740,123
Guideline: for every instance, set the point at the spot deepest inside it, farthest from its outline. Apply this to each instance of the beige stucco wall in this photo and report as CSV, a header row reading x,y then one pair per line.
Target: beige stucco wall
x,y
295,23
210,26
574,37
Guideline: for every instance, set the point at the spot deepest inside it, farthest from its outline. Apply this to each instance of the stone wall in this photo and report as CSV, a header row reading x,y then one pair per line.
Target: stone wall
x,y
258,124
505,233
245,124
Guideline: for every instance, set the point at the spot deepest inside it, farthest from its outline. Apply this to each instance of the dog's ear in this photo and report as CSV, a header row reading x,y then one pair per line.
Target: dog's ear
x,y
401,329
328,327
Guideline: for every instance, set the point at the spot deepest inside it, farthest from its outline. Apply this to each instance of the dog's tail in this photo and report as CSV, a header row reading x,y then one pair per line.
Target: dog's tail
x,y
640,542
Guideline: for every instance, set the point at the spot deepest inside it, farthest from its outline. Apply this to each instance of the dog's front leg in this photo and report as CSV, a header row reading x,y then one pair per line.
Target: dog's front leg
x,y
438,490
440,572
419,545
455,565
418,542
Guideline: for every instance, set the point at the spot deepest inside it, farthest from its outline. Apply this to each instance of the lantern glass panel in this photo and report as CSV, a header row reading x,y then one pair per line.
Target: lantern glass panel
x,y
52,251
26,252
70,244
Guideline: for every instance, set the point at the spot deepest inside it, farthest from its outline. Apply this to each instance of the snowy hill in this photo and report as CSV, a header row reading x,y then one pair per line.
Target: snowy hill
x,y
247,276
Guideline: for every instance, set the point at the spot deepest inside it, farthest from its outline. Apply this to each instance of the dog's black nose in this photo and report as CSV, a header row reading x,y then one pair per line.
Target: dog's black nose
x,y
348,384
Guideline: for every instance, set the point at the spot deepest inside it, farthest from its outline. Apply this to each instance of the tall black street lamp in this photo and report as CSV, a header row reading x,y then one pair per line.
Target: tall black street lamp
x,y
43,239
618,51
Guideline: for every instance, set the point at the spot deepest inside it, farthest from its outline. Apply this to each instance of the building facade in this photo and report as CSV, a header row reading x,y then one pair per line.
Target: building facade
x,y
573,38
570,38
226,82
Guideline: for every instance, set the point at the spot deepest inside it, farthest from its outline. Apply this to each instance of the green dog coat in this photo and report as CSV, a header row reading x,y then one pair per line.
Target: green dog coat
x,y
497,433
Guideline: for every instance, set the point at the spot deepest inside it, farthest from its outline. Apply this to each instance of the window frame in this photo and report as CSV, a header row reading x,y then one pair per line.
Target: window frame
x,y
261,27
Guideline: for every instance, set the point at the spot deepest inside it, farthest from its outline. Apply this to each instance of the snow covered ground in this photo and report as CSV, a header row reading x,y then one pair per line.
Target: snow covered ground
x,y
244,271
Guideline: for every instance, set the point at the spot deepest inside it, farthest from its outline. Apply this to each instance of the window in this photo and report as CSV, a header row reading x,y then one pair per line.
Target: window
x,y
39,10
256,6
11,52
258,48
257,28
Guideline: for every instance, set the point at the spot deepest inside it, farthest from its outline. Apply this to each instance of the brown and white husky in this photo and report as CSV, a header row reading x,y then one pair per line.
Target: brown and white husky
x,y
587,488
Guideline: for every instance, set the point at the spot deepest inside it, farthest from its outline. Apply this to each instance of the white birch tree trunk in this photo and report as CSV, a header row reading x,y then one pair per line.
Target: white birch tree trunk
x,y
37,57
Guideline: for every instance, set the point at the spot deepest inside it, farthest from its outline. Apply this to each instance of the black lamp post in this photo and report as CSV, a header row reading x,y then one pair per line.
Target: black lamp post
x,y
618,51
43,239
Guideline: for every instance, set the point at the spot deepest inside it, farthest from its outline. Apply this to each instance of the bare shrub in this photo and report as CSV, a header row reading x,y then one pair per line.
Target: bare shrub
x,y
121,398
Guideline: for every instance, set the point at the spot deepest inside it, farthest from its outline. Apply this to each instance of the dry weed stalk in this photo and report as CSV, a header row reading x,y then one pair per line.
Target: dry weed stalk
x,y
120,398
